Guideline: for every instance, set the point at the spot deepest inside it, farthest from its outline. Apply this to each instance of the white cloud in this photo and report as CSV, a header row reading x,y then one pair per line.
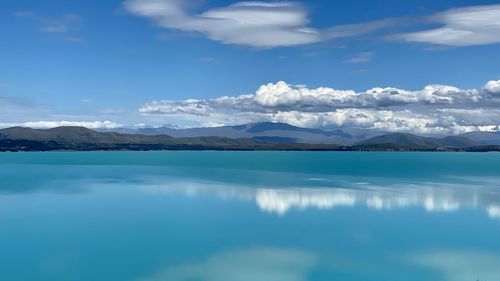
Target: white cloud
x,y
256,24
385,120
192,107
430,122
244,265
287,23
493,86
282,94
476,25
436,109
53,124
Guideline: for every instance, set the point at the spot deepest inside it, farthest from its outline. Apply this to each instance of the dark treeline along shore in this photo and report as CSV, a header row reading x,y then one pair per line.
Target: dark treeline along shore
x,y
258,136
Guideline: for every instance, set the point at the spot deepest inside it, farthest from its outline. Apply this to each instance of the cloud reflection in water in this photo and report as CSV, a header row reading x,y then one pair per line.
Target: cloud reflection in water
x,y
461,265
432,197
244,265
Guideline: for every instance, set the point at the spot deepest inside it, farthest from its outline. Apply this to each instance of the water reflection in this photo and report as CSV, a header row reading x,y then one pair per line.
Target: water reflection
x,y
461,265
276,193
133,222
432,197
280,264
244,265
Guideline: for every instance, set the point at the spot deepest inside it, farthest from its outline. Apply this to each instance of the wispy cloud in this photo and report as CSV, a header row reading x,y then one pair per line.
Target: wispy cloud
x,y
66,25
208,60
255,24
71,39
25,13
54,28
277,24
476,25
361,58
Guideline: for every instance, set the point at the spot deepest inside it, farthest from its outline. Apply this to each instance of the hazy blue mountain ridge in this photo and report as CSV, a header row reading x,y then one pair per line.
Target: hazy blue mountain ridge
x,y
255,136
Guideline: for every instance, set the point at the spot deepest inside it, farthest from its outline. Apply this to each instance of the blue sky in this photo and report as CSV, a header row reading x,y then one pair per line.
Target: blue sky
x,y
109,60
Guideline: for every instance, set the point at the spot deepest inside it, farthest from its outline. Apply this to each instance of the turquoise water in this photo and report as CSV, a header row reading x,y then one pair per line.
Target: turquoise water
x,y
249,216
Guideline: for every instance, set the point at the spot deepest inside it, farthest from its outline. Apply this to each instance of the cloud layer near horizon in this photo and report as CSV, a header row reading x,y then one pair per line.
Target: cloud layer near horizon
x,y
436,109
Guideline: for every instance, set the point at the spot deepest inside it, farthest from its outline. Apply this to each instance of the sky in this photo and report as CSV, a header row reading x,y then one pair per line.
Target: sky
x,y
427,67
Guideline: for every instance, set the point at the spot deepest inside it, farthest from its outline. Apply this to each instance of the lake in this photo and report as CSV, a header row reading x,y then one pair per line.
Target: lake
x,y
249,216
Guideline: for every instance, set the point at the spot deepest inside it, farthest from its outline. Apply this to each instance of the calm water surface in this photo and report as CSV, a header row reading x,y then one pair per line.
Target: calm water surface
x,y
249,216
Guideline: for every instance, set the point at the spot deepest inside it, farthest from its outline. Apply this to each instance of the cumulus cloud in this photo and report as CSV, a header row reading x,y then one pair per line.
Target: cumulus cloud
x,y
53,124
256,24
493,87
435,109
476,25
283,95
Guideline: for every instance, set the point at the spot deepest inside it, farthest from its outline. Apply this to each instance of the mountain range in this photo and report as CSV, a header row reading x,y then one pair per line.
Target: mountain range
x,y
265,131
79,138
286,133
254,136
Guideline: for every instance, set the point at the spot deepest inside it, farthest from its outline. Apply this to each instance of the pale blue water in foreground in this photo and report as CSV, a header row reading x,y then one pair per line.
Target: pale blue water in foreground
x,y
249,216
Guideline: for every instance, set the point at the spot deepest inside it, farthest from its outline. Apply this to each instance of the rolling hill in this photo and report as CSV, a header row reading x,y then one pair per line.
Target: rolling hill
x,y
79,138
489,138
262,136
410,141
